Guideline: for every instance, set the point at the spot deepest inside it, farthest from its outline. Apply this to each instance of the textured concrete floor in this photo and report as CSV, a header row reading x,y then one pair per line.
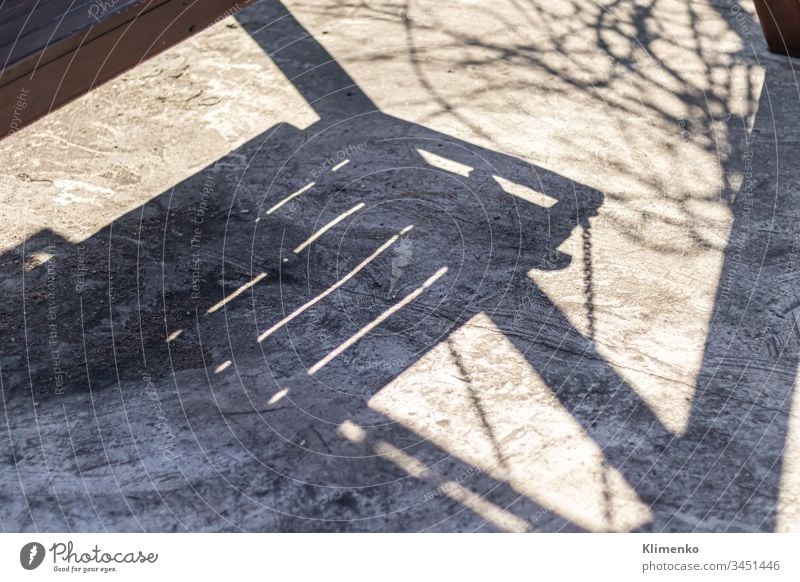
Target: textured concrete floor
x,y
387,266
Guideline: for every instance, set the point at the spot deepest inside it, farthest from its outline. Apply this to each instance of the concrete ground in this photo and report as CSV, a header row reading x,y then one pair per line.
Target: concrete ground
x,y
403,266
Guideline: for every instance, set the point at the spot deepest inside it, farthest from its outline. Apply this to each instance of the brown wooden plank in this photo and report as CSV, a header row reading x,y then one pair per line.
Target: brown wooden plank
x,y
34,32
61,72
780,20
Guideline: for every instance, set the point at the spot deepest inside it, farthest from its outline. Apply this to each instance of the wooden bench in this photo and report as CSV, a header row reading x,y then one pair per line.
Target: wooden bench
x,y
53,51
780,20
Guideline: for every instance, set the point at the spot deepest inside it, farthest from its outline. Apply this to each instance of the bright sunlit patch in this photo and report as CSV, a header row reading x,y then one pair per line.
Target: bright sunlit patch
x,y
328,226
787,518
74,192
377,321
223,366
650,308
236,293
445,164
351,431
278,396
477,397
36,260
525,193
335,286
291,197
486,509
174,335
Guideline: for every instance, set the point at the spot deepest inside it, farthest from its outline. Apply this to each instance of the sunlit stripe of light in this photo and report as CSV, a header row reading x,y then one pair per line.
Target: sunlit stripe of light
x,y
477,503
236,293
335,286
328,226
378,320
291,197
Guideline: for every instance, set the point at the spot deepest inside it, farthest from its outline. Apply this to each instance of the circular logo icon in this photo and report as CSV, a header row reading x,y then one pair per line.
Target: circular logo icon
x,y
31,555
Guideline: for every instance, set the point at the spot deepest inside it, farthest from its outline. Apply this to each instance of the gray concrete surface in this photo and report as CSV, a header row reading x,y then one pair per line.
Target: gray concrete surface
x,y
553,287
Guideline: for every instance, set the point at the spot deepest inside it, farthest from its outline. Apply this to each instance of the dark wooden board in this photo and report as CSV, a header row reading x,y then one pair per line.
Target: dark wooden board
x,y
52,51
780,20
30,29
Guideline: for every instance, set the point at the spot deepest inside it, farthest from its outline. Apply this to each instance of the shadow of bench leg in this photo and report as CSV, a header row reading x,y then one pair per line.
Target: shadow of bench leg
x,y
780,20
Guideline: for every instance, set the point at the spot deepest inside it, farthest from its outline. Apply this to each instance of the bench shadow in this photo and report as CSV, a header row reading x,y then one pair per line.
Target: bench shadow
x,y
282,298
